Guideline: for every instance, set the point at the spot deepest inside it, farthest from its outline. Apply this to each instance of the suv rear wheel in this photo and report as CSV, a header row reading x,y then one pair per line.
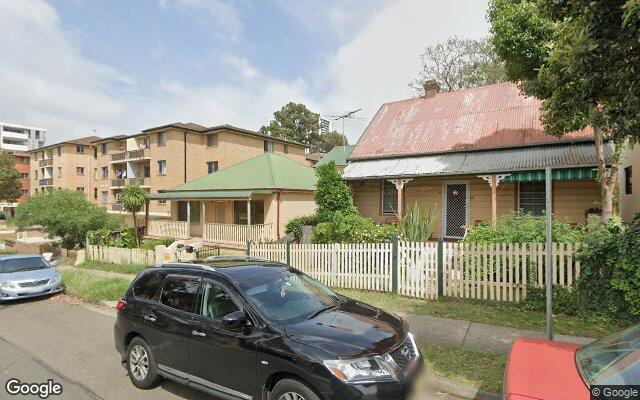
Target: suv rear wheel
x,y
289,389
141,364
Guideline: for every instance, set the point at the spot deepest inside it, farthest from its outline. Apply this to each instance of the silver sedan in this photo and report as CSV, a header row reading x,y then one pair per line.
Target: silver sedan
x,y
25,276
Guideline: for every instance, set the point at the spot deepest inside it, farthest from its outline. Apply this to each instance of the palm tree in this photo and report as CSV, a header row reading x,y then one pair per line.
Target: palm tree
x,y
133,198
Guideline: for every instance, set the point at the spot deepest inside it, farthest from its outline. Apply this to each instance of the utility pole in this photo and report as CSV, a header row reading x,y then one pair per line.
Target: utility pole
x,y
549,259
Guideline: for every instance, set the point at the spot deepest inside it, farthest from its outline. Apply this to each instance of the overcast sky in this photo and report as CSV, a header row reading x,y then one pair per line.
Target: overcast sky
x,y
120,66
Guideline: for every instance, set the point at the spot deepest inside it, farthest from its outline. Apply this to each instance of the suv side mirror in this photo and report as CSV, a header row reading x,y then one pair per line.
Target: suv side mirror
x,y
235,320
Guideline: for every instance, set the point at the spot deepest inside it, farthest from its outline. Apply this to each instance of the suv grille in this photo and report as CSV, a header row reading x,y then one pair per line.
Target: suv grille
x,y
33,283
404,354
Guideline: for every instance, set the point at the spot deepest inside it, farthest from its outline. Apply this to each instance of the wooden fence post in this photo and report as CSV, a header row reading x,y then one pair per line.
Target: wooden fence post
x,y
395,262
440,255
248,248
288,252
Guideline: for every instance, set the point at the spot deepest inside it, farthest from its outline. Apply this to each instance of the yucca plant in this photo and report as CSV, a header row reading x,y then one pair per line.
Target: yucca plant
x,y
419,223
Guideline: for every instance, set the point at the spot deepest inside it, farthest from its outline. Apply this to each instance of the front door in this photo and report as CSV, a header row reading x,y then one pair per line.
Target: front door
x,y
456,209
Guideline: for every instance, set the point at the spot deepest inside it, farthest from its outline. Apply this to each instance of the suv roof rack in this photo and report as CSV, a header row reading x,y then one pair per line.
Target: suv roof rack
x,y
234,258
187,265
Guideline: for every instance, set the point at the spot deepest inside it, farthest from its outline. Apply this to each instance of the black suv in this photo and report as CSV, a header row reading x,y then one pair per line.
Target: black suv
x,y
253,329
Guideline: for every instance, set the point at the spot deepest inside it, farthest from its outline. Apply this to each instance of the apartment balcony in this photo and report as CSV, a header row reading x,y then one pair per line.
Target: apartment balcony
x,y
46,163
128,155
127,182
117,207
45,182
14,147
16,135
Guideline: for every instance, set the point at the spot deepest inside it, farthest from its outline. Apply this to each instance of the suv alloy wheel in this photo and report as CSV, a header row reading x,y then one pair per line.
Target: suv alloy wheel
x,y
289,389
141,364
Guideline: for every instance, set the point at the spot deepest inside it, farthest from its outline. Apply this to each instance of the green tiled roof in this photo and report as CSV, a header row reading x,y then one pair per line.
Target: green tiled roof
x,y
338,154
267,171
204,194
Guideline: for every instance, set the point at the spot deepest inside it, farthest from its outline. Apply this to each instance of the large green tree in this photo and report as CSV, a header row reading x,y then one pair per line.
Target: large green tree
x,y
295,121
459,63
581,58
66,215
330,140
10,186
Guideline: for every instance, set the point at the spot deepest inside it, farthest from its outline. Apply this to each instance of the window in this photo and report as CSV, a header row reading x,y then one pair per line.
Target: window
x,y
146,171
212,166
59,150
80,170
95,152
162,167
162,138
104,197
628,184
217,303
162,201
180,293
80,190
24,160
103,148
531,198
148,286
268,146
79,149
105,172
95,193
35,174
24,192
193,213
95,173
240,212
24,175
389,198
286,149
59,172
212,140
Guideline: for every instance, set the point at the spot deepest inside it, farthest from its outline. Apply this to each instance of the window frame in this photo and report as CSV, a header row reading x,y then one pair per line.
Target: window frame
x,y
234,298
80,149
162,142
155,298
214,137
80,171
544,200
269,146
209,164
104,176
158,296
160,172
104,149
285,148
382,197
78,189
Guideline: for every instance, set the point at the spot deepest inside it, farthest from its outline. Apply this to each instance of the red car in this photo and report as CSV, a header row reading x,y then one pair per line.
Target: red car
x,y
545,370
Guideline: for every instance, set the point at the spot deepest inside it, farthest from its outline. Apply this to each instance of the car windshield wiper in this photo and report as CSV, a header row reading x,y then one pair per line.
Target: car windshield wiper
x,y
320,311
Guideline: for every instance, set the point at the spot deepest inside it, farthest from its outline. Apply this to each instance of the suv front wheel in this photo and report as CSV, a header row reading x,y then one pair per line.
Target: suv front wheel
x,y
141,364
289,389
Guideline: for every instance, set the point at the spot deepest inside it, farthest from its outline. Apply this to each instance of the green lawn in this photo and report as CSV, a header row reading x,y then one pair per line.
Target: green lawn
x,y
494,313
90,288
111,267
466,367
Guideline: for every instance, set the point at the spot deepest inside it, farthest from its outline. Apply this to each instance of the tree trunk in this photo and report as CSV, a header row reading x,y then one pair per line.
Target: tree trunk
x,y
608,177
135,227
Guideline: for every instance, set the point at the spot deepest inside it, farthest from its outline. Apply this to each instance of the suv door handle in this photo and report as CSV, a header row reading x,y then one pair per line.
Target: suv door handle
x,y
150,318
198,333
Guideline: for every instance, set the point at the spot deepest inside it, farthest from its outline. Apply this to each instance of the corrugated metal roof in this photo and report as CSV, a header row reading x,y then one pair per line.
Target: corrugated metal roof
x,y
486,117
205,194
478,162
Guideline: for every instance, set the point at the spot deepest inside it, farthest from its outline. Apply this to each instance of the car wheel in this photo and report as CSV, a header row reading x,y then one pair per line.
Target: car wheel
x,y
289,389
141,364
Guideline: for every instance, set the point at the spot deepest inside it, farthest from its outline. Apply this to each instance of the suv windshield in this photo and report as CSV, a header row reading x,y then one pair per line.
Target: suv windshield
x,y
289,297
10,265
613,360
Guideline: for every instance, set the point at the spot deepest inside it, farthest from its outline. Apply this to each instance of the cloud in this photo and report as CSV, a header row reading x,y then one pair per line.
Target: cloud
x,y
240,65
223,16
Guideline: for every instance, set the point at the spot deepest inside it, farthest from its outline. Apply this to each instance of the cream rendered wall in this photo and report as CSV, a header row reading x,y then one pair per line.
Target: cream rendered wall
x,y
630,203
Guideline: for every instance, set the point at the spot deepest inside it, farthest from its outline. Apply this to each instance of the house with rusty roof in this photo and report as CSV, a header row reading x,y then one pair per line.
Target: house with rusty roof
x,y
475,154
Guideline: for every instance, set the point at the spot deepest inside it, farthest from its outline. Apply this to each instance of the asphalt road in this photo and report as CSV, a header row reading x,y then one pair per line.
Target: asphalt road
x,y
73,346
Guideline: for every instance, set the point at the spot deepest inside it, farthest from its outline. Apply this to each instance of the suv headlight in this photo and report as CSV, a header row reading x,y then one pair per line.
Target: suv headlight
x,y
371,369
5,284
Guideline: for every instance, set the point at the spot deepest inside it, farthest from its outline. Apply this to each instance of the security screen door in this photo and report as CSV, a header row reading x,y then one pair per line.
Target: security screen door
x,y
456,199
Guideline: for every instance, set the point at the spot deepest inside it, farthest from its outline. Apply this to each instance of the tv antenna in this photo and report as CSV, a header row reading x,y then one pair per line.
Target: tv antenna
x,y
347,115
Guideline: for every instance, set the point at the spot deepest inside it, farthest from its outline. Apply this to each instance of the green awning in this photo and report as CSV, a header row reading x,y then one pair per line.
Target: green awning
x,y
206,194
564,174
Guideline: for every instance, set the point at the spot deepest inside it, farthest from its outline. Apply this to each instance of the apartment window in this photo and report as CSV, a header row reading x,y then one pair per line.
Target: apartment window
x,y
37,135
35,174
268,146
103,148
95,173
389,198
59,150
162,201
212,140
95,193
212,166
628,184
162,167
531,198
162,138
24,192
95,152
104,197
146,171
80,170
79,149
145,143
24,175
286,149
35,156
59,172
105,172
24,160
80,189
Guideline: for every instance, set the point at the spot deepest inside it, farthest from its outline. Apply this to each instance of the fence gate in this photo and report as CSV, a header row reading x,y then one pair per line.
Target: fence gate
x,y
418,270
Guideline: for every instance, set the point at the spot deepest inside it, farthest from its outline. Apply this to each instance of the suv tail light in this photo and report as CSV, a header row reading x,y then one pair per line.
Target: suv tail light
x,y
121,305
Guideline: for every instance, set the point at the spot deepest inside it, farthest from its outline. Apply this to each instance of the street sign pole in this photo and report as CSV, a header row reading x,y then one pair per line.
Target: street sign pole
x,y
548,271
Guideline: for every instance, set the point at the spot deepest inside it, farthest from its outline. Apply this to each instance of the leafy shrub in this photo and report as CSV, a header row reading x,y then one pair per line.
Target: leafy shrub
x,y
294,226
150,244
564,301
127,239
351,228
101,237
332,194
520,227
418,224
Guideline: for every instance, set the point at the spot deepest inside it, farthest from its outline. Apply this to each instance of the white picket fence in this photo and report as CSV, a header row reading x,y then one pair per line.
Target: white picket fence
x,y
170,229
120,256
236,234
498,272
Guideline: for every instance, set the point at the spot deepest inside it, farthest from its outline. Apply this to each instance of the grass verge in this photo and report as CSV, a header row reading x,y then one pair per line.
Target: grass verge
x,y
111,267
465,367
493,313
93,289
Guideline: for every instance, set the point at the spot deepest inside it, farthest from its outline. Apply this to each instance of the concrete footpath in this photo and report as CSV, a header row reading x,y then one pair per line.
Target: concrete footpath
x,y
429,329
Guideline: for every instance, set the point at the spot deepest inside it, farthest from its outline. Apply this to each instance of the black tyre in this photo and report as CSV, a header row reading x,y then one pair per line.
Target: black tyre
x,y
289,389
141,364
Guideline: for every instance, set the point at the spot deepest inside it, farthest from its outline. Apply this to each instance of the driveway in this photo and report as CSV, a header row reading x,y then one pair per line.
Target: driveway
x,y
73,345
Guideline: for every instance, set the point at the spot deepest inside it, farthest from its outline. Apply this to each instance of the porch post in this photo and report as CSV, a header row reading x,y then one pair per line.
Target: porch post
x,y
188,218
202,217
249,236
494,181
146,218
399,184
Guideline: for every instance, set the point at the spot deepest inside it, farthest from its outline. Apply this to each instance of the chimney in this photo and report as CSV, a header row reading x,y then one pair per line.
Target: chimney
x,y
431,88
